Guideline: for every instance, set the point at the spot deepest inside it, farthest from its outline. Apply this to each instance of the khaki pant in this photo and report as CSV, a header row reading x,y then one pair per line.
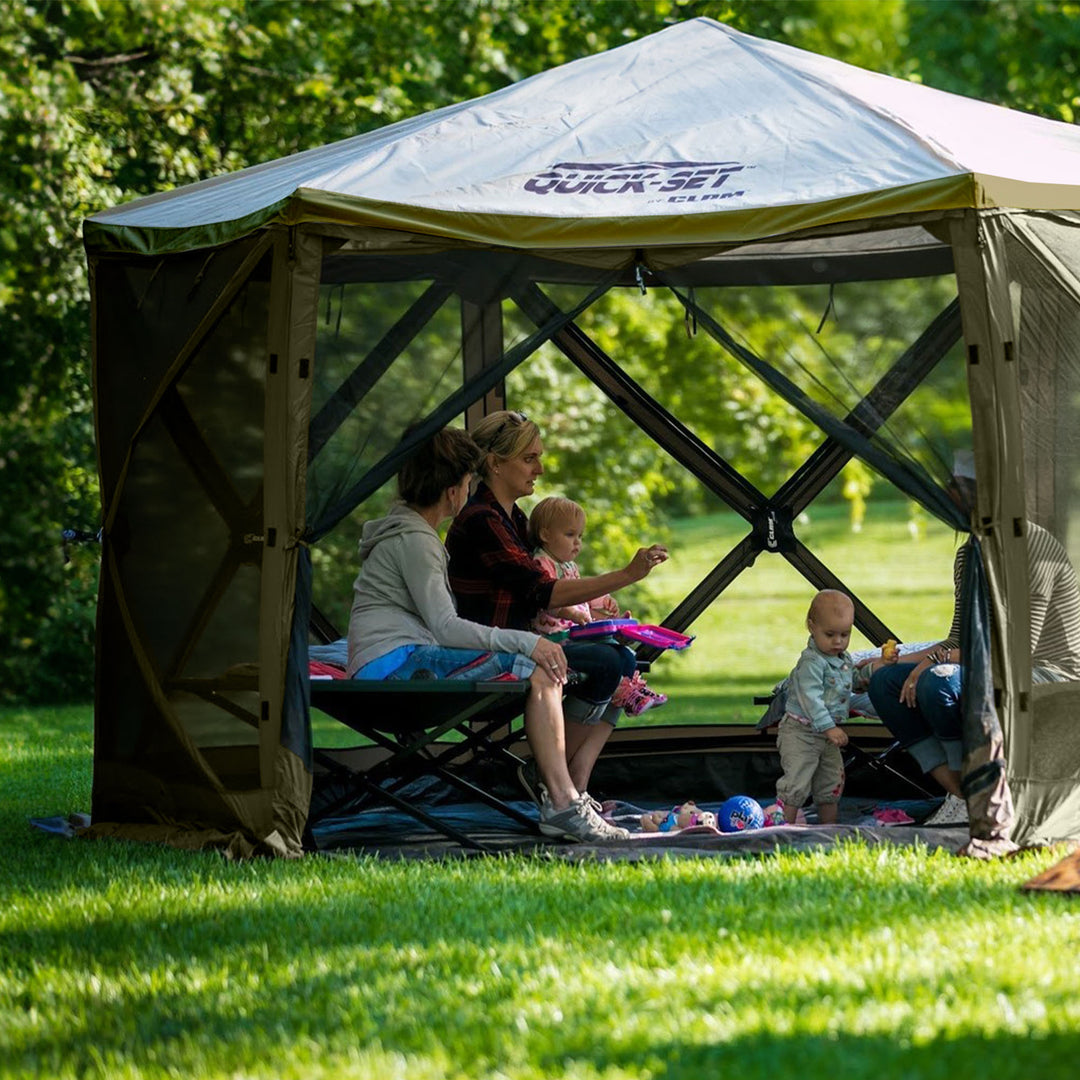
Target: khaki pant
x,y
811,764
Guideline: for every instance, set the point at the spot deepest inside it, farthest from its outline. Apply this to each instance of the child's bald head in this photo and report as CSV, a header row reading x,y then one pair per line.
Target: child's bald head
x,y
833,603
829,621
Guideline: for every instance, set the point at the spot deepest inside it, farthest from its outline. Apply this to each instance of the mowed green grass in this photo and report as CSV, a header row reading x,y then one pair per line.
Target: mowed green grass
x,y
751,636
122,960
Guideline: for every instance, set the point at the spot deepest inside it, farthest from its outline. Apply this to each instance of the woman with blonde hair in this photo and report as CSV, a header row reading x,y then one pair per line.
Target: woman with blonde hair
x,y
496,581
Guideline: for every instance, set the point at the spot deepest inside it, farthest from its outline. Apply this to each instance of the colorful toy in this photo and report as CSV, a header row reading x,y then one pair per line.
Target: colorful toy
x,y
630,630
685,816
740,812
888,650
774,815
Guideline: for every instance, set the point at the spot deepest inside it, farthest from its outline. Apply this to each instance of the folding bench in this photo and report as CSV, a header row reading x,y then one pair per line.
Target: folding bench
x,y
407,720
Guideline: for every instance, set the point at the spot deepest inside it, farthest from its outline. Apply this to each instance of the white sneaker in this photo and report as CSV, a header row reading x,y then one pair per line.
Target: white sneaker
x,y
953,811
579,821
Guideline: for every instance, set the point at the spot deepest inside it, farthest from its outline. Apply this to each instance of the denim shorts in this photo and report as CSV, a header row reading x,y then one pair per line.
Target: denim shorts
x,y
440,662
602,666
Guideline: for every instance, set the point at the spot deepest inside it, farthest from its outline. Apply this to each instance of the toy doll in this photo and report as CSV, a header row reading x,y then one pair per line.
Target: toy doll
x,y
685,816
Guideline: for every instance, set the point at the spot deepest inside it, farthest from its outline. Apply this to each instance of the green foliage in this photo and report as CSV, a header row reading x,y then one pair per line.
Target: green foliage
x,y
105,100
874,963
1021,53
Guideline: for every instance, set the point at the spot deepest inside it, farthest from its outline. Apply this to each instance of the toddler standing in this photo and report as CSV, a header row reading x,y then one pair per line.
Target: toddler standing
x,y
556,529
818,694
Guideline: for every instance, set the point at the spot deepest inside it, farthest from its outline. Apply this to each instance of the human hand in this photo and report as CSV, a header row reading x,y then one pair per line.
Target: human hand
x,y
551,660
837,736
607,609
645,559
908,692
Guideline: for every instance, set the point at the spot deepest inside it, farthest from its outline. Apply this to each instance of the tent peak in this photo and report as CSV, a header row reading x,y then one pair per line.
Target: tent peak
x,y
703,134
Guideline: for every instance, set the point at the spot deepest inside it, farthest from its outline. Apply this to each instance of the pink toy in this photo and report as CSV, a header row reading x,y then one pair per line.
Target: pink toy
x,y
774,815
659,637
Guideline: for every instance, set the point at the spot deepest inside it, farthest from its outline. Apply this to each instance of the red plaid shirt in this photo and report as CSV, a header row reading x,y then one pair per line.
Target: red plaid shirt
x,y
495,579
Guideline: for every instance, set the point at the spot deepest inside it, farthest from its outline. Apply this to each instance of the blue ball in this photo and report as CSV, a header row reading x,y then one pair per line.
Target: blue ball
x,y
740,812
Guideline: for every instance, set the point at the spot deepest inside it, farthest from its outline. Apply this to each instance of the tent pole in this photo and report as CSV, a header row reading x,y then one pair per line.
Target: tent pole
x,y
481,347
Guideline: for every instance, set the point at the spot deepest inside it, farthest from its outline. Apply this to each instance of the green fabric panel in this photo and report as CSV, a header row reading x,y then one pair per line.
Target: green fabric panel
x,y
103,238
536,232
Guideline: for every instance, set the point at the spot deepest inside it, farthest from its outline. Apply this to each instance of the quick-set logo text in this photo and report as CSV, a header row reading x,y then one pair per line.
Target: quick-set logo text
x,y
672,181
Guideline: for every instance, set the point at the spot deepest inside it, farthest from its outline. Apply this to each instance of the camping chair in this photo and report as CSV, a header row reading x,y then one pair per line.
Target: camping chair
x,y
407,720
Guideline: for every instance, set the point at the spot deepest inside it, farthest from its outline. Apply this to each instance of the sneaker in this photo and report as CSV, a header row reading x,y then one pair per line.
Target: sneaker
x,y
626,691
644,698
529,778
596,804
579,821
953,811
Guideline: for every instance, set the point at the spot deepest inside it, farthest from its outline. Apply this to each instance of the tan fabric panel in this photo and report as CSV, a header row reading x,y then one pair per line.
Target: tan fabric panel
x,y
995,433
297,267
1043,277
560,233
149,766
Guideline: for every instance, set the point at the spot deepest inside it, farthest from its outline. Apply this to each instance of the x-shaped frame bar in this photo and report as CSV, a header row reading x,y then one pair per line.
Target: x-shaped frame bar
x,y
771,518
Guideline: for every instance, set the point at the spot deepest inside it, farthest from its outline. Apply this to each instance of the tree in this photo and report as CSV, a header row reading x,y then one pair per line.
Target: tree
x,y
106,100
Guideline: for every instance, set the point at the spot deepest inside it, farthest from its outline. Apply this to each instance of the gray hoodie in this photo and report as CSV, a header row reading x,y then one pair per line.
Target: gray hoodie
x,y
402,595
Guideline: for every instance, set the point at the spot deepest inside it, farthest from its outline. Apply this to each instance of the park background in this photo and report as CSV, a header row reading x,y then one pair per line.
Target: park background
x,y
102,101
127,960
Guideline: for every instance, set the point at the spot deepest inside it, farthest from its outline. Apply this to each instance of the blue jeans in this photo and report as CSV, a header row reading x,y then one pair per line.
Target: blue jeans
x,y
604,665
930,731
442,662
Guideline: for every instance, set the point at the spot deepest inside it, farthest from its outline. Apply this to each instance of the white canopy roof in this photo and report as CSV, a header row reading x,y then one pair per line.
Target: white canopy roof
x,y
697,134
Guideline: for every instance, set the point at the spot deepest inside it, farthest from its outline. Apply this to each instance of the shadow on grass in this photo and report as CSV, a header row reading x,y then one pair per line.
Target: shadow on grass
x,y
227,987
1008,1056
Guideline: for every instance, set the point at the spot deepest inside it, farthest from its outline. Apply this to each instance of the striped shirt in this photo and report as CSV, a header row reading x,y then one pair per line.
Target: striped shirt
x,y
1055,605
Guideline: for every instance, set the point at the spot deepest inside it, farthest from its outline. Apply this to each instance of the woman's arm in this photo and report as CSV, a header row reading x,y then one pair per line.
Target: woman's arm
x,y
430,591
944,652
582,590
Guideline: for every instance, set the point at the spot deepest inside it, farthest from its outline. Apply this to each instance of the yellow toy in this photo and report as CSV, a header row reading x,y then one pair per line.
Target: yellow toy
x,y
888,650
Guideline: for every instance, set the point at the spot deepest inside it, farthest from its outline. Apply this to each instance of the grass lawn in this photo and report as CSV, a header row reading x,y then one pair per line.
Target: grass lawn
x,y
120,960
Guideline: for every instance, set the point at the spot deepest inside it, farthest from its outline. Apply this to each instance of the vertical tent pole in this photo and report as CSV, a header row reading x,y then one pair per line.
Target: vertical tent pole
x,y
993,383
294,292
482,346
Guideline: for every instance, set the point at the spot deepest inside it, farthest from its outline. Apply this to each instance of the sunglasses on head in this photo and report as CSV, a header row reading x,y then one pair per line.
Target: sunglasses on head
x,y
518,419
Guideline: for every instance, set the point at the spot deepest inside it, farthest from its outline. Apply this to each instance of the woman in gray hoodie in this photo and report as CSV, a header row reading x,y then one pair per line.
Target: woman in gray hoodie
x,y
404,621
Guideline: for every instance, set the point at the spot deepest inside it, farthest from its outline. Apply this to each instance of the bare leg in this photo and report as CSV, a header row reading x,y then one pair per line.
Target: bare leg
x,y
791,814
948,778
826,813
583,745
546,734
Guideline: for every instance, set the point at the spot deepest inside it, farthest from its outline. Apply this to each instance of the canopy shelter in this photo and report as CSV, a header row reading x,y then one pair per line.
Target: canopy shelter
x,y
263,340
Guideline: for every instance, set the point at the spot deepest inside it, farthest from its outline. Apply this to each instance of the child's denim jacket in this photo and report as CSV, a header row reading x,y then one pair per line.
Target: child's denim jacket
x,y
820,687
